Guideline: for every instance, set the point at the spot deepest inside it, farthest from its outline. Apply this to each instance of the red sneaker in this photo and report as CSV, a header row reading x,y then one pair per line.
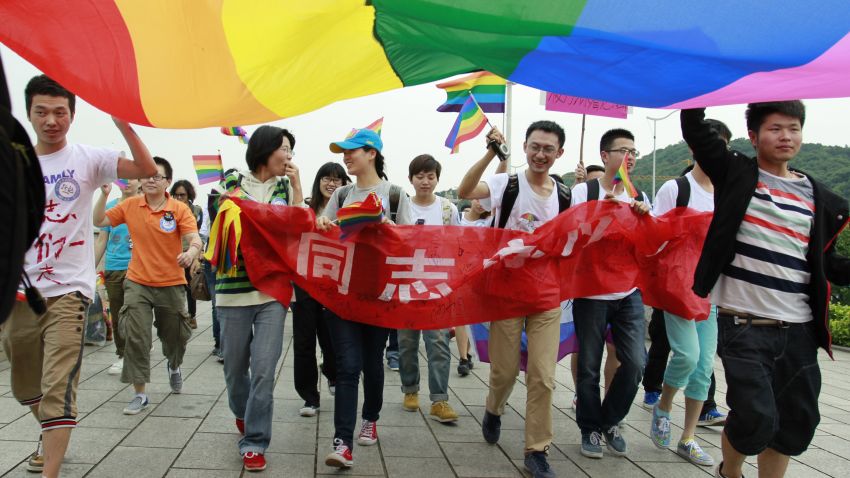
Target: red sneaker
x,y
341,456
240,425
368,433
254,461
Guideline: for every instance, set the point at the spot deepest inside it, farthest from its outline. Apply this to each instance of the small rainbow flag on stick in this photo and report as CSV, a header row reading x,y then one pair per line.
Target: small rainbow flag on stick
x,y
208,168
357,215
489,91
470,121
121,183
622,176
236,131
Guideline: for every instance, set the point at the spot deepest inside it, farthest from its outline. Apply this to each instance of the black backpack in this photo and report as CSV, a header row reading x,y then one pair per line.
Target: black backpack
x,y
512,192
21,201
395,197
683,197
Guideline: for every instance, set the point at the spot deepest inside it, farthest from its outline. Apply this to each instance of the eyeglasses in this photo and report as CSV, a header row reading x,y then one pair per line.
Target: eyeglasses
x,y
157,177
535,148
286,150
624,151
328,179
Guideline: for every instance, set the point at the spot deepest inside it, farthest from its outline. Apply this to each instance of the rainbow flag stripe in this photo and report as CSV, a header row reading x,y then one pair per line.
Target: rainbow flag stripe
x,y
354,217
488,89
121,183
470,121
208,168
622,176
236,62
236,131
375,126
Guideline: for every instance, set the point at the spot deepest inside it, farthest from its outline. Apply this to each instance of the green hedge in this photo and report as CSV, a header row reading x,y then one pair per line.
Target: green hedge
x,y
839,322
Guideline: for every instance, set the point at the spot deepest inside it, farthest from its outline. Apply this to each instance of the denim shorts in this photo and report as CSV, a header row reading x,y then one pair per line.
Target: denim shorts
x,y
773,381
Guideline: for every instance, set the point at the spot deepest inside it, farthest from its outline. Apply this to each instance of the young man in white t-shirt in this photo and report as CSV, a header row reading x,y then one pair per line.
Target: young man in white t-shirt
x,y
426,208
623,310
45,351
536,203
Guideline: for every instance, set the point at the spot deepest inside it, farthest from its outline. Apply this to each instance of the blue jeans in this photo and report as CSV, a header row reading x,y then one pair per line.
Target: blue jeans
x,y
439,361
392,346
591,317
252,347
209,275
358,348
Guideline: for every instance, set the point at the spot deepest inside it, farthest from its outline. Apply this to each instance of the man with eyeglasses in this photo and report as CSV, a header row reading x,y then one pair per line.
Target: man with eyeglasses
x,y
155,279
523,201
44,348
622,310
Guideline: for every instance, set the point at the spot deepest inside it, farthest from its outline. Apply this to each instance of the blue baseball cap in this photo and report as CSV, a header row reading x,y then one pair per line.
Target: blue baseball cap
x,y
360,138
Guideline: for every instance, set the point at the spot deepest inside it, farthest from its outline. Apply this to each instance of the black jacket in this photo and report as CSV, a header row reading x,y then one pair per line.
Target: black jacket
x,y
735,176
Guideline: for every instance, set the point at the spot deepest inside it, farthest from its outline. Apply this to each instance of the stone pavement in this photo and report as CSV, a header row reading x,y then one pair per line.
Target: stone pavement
x,y
193,435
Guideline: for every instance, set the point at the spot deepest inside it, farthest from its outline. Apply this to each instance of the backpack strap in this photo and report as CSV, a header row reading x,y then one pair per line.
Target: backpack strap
x,y
508,200
683,197
446,207
395,197
343,193
593,190
565,196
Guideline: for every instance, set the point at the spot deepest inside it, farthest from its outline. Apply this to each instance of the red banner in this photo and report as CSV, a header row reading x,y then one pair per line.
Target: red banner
x,y
428,277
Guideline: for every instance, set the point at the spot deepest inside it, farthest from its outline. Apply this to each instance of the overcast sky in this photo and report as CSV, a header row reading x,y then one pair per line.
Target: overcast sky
x,y
411,127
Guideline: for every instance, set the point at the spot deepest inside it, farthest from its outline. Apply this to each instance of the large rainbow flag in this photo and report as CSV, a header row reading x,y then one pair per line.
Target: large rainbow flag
x,y
470,121
488,89
200,64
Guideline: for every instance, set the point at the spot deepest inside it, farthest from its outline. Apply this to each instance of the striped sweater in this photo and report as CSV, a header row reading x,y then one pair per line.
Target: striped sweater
x,y
770,275
237,291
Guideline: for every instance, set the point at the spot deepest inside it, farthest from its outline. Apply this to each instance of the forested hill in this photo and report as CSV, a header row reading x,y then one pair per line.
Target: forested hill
x,y
828,164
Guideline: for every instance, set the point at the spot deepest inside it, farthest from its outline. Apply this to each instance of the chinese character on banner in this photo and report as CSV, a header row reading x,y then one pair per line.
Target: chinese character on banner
x,y
319,257
418,263
514,255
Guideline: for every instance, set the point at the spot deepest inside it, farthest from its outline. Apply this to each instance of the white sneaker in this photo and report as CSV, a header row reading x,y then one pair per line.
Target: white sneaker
x,y
308,411
116,368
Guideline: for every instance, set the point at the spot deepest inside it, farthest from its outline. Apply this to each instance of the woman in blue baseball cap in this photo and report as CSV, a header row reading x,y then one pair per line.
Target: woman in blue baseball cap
x,y
359,347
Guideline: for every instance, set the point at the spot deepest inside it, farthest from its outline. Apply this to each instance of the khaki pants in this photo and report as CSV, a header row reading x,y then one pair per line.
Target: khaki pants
x,y
137,315
46,353
543,331
114,282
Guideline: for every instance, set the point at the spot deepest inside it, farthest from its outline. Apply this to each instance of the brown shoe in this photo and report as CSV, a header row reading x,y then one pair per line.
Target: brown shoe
x,y
193,323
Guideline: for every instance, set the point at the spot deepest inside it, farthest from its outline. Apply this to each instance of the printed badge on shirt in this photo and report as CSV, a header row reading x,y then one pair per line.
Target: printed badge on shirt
x,y
278,202
67,189
167,222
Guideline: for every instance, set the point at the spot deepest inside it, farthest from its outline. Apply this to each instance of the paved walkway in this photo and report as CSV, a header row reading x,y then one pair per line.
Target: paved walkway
x,y
193,435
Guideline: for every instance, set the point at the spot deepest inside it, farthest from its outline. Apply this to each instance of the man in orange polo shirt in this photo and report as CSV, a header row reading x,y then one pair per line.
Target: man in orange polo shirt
x,y
155,278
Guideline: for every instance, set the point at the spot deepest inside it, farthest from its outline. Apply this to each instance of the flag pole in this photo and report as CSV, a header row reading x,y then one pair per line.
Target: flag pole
x,y
581,142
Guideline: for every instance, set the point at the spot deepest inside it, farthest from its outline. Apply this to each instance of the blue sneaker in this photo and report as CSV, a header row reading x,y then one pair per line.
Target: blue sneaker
x,y
615,442
691,451
392,363
660,428
712,418
538,466
650,399
591,444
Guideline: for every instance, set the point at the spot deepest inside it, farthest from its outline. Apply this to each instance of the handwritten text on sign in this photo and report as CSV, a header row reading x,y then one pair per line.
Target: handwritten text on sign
x,y
574,104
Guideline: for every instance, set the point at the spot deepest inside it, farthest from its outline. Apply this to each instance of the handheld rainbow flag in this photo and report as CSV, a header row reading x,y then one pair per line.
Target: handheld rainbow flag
x,y
622,176
375,126
489,91
208,168
470,121
121,183
236,131
357,215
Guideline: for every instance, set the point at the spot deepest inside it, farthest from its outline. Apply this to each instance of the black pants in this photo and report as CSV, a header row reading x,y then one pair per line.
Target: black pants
x,y
656,361
309,323
773,381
